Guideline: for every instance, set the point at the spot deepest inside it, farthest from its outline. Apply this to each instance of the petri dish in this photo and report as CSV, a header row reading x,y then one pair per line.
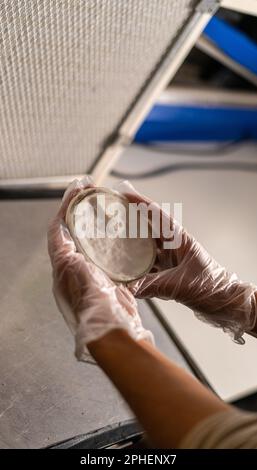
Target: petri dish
x,y
100,222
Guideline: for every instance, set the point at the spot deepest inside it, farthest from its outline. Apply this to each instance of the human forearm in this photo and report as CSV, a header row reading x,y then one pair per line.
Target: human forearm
x,y
166,400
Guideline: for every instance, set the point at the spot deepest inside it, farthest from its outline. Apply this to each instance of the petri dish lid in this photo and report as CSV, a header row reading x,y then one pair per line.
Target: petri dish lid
x,y
102,234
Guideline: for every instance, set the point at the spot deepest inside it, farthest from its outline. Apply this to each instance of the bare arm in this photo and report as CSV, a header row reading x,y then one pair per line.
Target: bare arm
x,y
167,401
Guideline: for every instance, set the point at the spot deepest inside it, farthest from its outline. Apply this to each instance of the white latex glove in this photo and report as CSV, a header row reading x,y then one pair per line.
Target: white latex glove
x,y
191,276
90,302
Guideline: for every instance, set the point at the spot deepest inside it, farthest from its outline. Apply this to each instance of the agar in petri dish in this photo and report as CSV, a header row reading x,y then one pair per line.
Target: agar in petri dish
x,y
99,221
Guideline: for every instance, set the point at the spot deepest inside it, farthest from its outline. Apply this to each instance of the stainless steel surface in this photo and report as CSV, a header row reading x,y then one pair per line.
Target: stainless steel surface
x,y
45,395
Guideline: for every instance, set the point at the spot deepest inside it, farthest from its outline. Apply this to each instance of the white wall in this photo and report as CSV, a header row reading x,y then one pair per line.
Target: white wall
x,y
219,208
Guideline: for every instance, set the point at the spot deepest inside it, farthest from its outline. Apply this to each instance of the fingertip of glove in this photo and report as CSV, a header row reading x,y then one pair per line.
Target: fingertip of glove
x,y
125,187
78,184
87,180
72,186
128,190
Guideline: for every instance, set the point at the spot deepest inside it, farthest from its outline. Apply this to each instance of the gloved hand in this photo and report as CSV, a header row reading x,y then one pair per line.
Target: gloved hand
x,y
90,302
189,275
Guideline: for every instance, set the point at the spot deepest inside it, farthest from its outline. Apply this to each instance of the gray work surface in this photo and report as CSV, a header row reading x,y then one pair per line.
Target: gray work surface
x,y
45,395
